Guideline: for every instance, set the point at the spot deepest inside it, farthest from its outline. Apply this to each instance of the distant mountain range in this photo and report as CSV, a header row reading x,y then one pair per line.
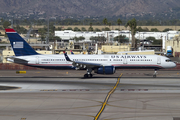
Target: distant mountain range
x,y
106,8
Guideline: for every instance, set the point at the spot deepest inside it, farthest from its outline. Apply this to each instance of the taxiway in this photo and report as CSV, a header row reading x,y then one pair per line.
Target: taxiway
x,y
57,95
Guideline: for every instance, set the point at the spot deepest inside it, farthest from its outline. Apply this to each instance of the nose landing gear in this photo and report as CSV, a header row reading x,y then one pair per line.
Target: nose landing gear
x,y
155,73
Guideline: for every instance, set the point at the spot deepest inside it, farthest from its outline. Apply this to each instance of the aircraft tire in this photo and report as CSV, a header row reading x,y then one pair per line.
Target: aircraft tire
x,y
85,75
90,75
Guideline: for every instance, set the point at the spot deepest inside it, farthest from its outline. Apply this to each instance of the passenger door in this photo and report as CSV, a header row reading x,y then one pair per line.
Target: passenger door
x,y
125,60
159,60
37,60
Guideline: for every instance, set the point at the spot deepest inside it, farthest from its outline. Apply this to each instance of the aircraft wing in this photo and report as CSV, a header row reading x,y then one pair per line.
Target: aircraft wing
x,y
87,64
80,63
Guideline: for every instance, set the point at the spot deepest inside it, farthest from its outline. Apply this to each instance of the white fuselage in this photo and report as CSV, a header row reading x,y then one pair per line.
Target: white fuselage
x,y
118,61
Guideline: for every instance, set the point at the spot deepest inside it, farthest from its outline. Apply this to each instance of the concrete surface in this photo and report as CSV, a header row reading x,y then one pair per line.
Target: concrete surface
x,y
58,95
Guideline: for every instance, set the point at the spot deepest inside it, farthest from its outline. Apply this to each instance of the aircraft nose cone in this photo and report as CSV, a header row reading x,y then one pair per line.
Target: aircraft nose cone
x,y
174,65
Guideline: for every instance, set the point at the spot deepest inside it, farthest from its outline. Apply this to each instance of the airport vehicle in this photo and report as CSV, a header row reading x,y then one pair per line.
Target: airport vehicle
x,y
101,64
169,51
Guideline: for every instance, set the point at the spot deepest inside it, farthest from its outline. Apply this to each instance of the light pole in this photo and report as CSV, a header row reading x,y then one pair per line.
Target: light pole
x,y
11,23
47,40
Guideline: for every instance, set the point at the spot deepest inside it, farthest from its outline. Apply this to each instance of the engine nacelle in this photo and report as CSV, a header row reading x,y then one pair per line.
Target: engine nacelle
x,y
105,70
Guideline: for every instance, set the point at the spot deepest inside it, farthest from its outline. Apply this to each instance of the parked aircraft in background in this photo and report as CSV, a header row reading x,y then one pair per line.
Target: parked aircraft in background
x,y
100,64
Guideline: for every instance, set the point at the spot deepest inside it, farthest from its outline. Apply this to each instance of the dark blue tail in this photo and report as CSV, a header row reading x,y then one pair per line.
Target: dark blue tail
x,y
66,56
72,52
19,45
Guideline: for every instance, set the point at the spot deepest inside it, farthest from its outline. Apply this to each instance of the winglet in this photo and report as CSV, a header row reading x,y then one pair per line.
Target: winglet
x,y
72,52
66,56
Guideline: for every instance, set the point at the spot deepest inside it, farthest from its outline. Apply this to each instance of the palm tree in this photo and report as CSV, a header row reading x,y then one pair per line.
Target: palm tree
x,y
132,24
90,28
109,23
90,24
119,22
105,21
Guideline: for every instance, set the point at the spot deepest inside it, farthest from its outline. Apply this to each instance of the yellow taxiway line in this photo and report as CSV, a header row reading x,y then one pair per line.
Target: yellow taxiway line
x,y
107,98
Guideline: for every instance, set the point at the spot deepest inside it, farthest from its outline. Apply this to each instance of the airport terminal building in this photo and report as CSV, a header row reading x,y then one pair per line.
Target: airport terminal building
x,y
109,35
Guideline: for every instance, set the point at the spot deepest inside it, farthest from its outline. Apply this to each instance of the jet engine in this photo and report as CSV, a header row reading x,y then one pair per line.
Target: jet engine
x,y
105,70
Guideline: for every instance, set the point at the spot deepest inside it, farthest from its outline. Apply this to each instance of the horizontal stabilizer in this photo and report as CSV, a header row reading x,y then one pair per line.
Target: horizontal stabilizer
x,y
17,60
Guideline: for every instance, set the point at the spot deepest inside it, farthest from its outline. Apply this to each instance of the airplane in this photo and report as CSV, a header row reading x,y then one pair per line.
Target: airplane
x,y
100,64
71,52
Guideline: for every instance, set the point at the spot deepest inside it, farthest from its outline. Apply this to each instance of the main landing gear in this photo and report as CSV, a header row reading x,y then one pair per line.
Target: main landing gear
x,y
155,73
88,74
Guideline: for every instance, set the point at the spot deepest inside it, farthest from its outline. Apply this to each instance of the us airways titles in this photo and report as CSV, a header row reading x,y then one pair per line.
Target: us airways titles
x,y
128,56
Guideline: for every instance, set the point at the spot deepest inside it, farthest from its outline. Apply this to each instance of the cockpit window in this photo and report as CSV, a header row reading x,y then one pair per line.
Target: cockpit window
x,y
168,60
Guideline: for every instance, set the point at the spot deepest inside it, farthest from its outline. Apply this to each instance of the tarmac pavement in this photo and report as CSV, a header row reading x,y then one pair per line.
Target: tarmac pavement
x,y
66,95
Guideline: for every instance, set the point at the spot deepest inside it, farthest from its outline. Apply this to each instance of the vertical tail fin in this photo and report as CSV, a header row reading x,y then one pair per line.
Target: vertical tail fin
x,y
72,52
66,56
19,45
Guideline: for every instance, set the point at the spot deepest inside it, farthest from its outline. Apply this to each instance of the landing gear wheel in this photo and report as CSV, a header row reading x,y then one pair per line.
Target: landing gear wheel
x,y
91,75
155,73
85,75
88,75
